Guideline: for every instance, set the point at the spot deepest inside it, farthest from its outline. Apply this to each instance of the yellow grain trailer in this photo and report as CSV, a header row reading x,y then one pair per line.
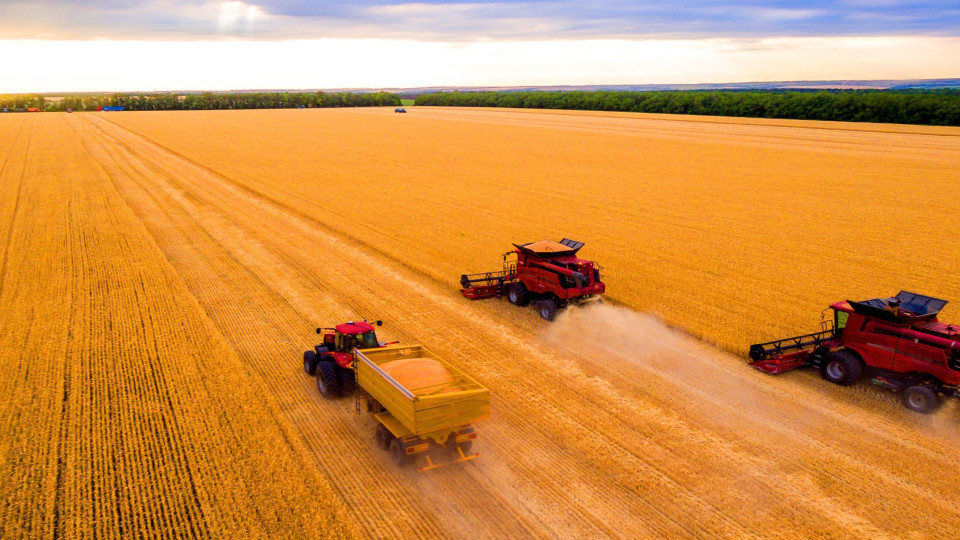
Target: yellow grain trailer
x,y
434,421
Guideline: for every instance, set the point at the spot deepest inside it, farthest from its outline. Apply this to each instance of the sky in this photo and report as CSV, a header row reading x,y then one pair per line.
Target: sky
x,y
148,45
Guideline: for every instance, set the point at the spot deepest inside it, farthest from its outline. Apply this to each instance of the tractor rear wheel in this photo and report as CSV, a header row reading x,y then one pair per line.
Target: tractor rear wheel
x,y
517,294
327,381
842,367
348,381
310,362
384,437
400,457
921,399
548,310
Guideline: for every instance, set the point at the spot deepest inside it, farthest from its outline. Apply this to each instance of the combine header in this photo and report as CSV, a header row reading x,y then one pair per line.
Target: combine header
x,y
546,273
898,342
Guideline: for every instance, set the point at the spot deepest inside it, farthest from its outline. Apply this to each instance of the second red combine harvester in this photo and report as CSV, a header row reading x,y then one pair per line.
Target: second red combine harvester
x,y
546,273
898,342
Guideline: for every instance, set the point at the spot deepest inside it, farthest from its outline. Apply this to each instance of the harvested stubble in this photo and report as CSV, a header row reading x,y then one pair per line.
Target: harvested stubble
x,y
217,241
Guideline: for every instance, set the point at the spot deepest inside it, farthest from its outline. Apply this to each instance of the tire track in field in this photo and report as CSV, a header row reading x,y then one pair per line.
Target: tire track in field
x,y
16,200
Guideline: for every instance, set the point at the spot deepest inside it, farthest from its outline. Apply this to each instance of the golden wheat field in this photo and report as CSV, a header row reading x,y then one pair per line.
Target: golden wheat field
x,y
162,274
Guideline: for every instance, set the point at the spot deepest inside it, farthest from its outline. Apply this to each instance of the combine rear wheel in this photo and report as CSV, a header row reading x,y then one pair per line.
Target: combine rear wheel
x,y
327,381
399,453
842,367
921,399
384,437
517,294
310,362
548,309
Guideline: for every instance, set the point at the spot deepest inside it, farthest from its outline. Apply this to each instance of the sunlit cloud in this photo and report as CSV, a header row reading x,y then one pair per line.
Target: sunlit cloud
x,y
238,16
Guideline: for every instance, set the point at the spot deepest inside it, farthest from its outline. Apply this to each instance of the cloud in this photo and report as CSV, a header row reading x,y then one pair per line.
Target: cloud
x,y
237,16
473,20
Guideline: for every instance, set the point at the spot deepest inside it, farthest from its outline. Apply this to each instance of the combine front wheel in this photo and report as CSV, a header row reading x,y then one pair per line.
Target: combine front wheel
x,y
517,294
842,367
921,399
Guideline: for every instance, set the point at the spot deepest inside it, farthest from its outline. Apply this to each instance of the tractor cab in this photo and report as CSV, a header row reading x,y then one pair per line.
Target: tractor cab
x,y
355,335
349,336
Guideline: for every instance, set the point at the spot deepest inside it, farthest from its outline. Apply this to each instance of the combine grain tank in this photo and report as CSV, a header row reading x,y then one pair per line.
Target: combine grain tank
x,y
427,410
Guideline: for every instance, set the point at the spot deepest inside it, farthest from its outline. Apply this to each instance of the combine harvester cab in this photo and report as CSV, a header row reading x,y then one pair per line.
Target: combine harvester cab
x,y
420,415
898,342
547,274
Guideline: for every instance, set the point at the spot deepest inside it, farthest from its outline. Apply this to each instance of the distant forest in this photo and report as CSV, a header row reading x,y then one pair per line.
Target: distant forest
x,y
930,107
206,100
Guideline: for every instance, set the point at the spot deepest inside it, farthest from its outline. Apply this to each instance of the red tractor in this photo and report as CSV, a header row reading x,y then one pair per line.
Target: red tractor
x,y
546,273
332,361
898,342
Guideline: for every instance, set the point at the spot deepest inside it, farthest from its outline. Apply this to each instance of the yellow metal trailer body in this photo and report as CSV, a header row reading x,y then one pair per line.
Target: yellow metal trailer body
x,y
442,414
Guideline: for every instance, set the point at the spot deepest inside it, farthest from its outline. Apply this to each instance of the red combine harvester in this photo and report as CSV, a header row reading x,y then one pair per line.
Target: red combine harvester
x,y
332,360
898,342
548,274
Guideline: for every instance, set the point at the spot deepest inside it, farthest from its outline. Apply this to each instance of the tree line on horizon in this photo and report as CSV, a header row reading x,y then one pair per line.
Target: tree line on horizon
x,y
928,107
202,101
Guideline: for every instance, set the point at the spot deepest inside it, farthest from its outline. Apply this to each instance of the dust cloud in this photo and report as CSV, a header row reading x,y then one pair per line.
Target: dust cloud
x,y
607,333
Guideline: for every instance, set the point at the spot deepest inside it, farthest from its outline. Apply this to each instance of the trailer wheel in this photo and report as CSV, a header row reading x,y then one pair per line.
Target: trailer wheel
x,y
921,399
348,381
841,367
548,310
327,381
384,437
466,446
400,457
310,362
517,294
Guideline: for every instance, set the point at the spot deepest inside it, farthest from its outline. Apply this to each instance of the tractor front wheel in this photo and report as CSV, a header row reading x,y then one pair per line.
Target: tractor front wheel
x,y
548,310
517,294
842,367
400,457
921,399
327,381
310,362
